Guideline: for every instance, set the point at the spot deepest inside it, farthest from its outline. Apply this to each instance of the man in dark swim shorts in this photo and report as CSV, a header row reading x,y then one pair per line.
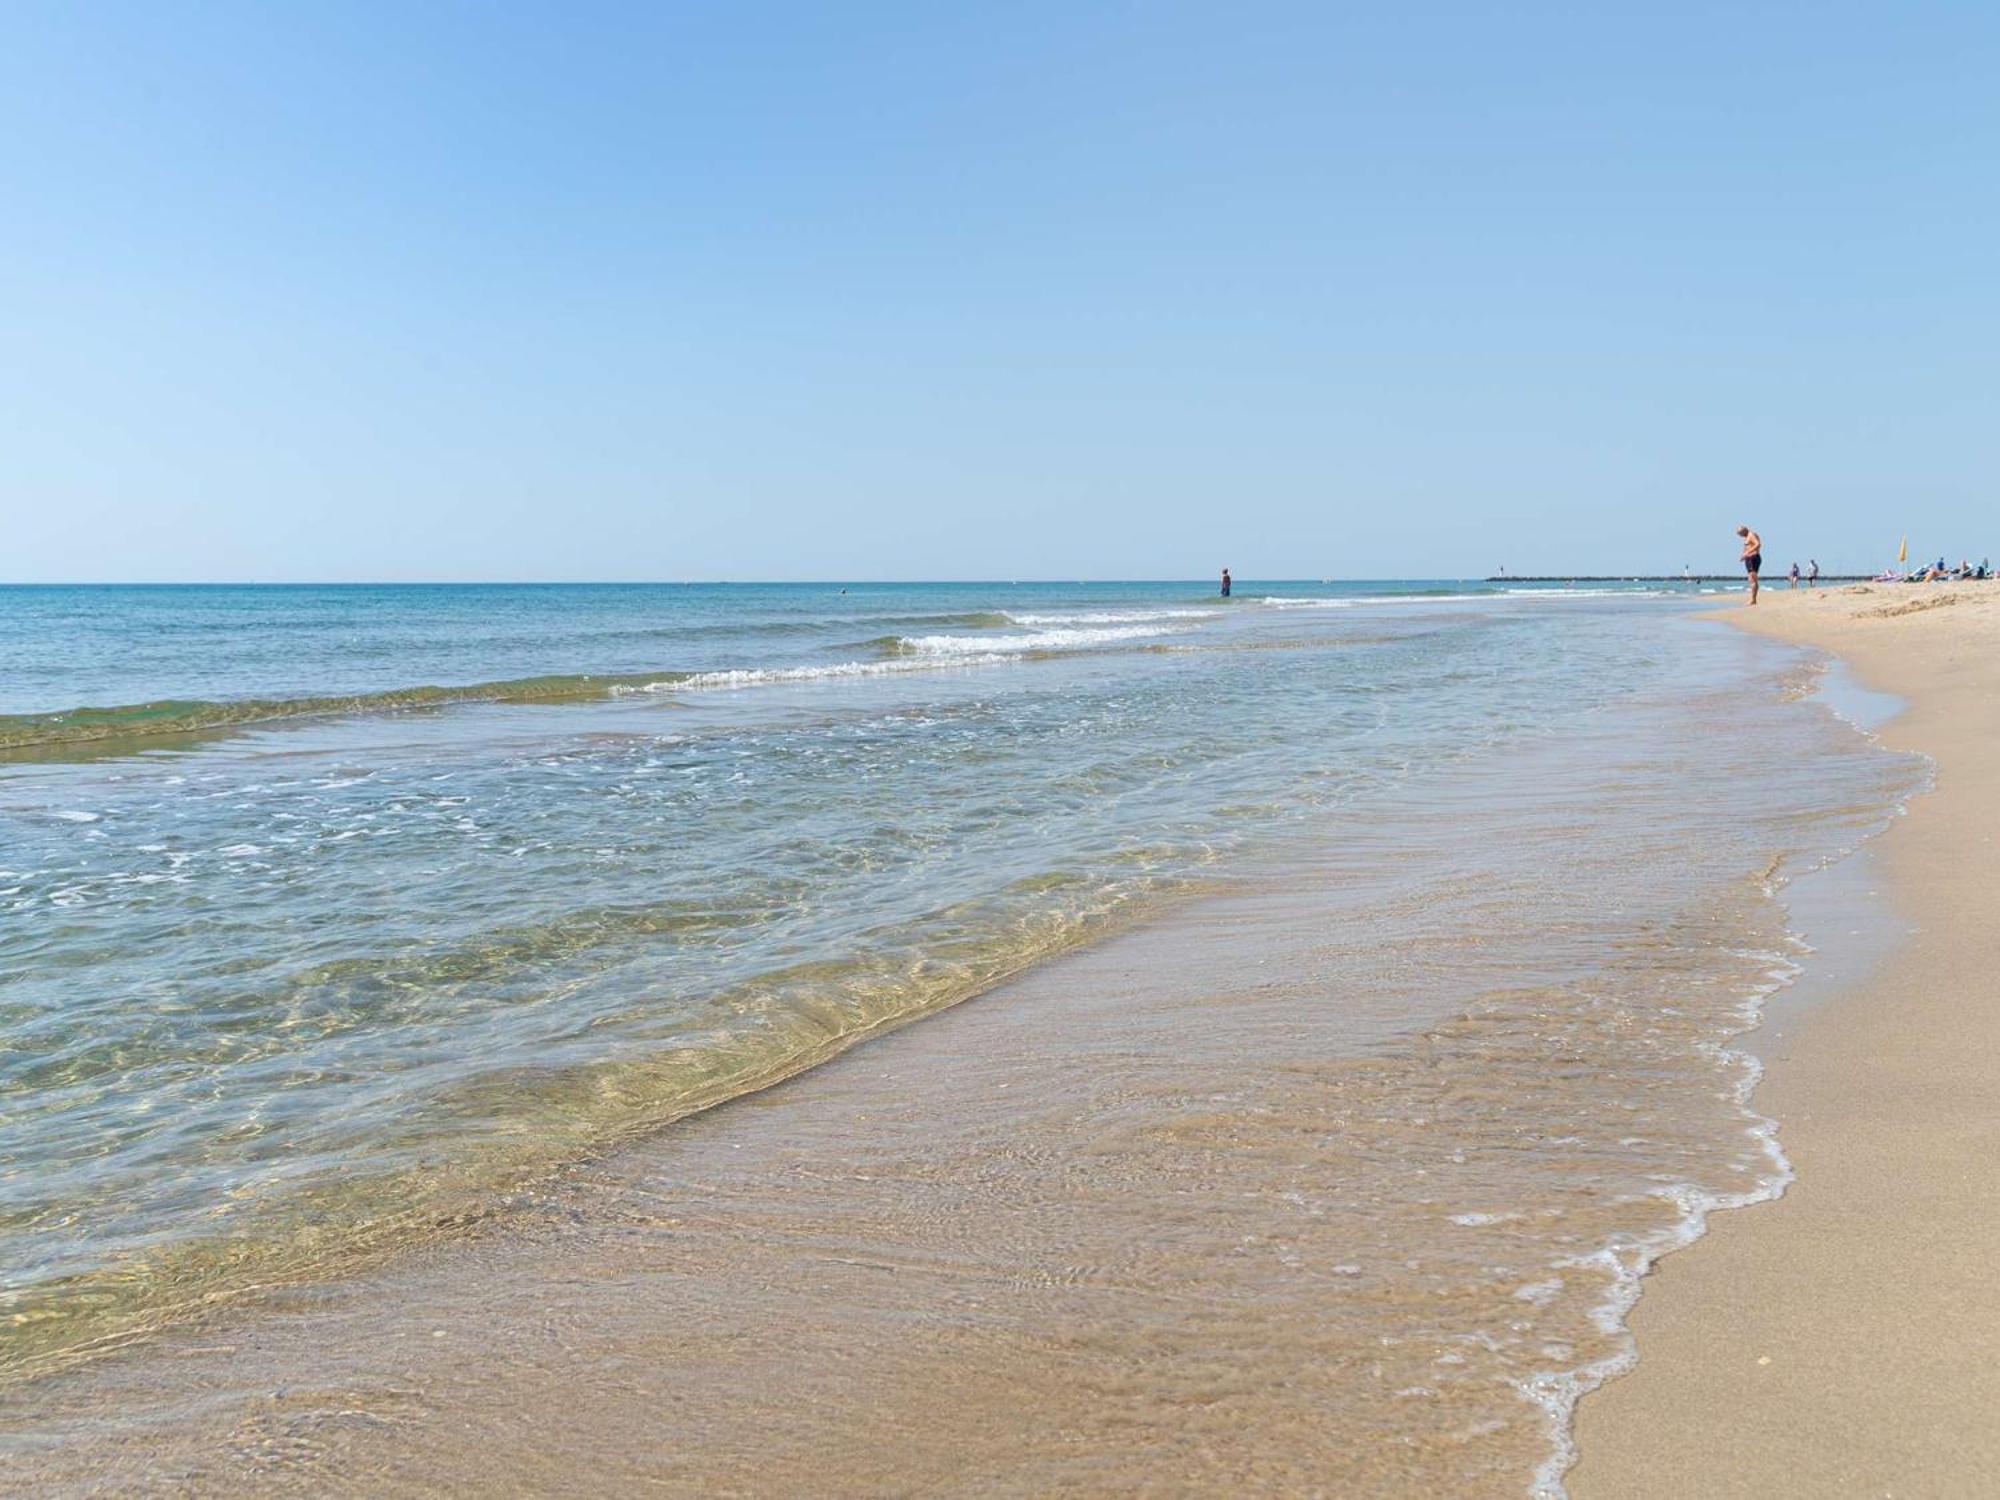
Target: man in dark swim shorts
x,y
1753,557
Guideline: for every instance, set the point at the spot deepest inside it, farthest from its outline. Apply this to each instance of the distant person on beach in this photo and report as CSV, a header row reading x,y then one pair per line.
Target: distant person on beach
x,y
1753,557
1795,575
1812,573
1225,583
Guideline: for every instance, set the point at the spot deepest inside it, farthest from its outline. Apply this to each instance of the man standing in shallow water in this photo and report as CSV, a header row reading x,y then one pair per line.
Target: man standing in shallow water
x,y
1753,556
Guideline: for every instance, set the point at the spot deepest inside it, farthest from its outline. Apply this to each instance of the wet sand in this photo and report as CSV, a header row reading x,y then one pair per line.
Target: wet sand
x,y
1845,1340
1074,1237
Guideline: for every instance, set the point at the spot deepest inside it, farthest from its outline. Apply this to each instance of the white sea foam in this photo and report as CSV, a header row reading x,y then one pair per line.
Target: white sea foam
x,y
1273,602
1113,616
1625,1261
1040,640
762,676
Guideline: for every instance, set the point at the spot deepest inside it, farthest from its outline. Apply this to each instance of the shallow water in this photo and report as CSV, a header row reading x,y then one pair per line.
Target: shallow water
x,y
278,1002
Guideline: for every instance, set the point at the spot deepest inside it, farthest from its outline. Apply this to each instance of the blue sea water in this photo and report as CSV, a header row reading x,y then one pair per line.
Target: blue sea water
x,y
110,647
328,915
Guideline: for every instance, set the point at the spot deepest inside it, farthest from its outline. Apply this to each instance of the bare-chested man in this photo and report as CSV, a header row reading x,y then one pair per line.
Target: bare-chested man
x,y
1753,556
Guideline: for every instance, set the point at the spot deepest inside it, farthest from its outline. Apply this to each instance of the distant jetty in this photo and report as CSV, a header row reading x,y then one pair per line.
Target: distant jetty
x,y
1663,577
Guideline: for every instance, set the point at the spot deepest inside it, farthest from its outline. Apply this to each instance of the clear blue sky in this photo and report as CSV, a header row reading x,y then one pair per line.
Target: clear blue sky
x,y
1035,290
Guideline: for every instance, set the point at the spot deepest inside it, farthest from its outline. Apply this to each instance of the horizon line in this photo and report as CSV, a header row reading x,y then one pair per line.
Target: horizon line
x,y
746,582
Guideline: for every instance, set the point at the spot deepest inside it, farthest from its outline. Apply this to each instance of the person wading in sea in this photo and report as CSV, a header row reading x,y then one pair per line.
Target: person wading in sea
x,y
1753,556
1225,583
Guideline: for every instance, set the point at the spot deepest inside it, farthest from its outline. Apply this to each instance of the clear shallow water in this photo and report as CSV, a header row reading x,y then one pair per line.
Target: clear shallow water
x,y
346,974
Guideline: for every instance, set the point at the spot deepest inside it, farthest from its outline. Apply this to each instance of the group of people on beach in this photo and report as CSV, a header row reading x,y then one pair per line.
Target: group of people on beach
x,y
1937,572
1753,564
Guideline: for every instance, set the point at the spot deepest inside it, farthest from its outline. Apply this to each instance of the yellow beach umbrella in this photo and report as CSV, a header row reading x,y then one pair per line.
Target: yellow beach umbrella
x,y
1903,552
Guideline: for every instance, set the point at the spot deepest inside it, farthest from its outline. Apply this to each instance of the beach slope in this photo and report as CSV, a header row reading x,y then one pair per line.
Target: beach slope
x,y
1844,1340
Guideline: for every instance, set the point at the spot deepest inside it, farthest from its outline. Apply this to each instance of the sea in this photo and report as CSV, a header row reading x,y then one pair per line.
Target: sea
x,y
337,921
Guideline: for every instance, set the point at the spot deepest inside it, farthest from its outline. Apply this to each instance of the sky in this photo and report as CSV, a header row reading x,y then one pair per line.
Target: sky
x,y
857,291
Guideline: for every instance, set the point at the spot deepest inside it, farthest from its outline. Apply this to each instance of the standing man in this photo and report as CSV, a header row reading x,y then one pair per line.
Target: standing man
x,y
1753,557
1812,574
1225,583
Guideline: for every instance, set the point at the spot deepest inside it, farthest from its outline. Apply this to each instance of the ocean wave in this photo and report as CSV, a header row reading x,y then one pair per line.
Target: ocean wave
x,y
1108,617
167,718
1039,640
978,619
759,676
814,624
1275,601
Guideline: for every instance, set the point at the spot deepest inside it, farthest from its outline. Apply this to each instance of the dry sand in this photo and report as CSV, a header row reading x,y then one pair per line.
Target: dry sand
x,y
1846,1339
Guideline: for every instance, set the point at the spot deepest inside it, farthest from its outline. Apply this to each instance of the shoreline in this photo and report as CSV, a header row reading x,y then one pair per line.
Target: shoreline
x,y
1835,1341
1150,1216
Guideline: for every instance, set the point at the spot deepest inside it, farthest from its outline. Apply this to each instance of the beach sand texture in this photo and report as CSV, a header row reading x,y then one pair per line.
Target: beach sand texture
x,y
1845,1340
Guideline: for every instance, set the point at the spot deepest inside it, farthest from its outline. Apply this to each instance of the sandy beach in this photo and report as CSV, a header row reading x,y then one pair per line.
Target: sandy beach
x,y
1842,1341
819,753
